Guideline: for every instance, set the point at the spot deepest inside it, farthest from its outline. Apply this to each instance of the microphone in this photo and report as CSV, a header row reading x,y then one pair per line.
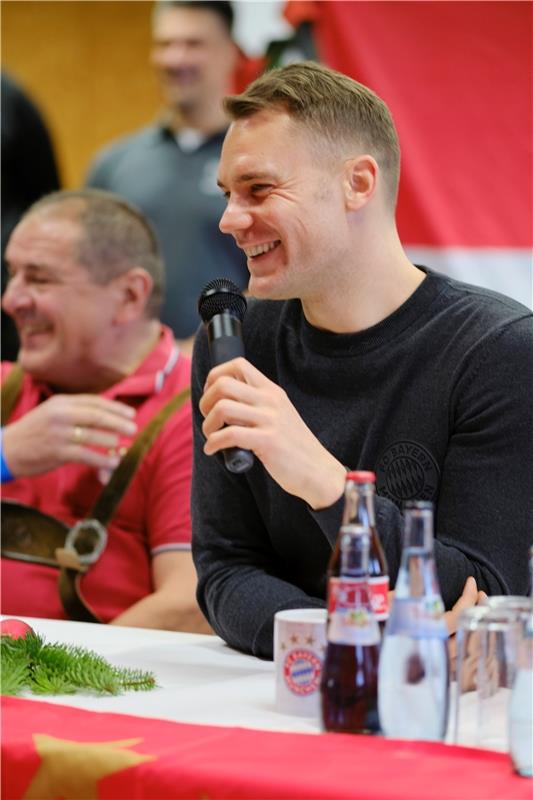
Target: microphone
x,y
222,307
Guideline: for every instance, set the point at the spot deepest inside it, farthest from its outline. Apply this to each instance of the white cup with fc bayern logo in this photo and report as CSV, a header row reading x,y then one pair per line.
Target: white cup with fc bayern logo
x,y
299,648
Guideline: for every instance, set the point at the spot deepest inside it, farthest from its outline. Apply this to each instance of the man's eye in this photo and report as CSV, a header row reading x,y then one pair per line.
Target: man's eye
x,y
39,279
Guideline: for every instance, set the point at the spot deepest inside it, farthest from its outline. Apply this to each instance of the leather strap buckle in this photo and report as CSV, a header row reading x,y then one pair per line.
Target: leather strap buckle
x,y
84,544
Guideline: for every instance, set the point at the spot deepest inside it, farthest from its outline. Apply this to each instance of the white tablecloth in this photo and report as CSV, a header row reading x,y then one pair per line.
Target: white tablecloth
x,y
200,679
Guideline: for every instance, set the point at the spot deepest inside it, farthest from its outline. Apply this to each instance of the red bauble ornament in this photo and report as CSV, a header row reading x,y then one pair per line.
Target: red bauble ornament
x,y
15,628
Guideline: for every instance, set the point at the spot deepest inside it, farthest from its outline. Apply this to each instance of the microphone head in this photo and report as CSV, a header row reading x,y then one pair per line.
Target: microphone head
x,y
221,295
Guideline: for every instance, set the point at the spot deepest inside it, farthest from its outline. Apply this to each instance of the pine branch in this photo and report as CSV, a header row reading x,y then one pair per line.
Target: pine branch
x,y
15,673
28,664
16,659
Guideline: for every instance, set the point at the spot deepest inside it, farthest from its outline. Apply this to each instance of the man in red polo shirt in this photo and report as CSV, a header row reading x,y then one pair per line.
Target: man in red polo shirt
x,y
86,284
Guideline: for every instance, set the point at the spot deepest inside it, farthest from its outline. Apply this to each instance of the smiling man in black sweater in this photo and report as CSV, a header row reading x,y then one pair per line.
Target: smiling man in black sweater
x,y
365,360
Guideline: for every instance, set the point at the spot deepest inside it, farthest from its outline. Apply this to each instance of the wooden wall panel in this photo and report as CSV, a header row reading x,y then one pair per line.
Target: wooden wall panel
x,y
85,64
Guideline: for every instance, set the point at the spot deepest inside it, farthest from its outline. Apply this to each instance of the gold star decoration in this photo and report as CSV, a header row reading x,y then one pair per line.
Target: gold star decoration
x,y
71,770
310,640
294,639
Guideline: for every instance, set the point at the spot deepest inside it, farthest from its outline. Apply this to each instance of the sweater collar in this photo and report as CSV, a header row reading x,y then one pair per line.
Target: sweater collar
x,y
350,344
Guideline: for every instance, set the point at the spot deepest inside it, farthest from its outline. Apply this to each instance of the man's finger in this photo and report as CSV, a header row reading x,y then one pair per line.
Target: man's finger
x,y
241,370
103,404
227,387
89,419
469,596
93,437
93,458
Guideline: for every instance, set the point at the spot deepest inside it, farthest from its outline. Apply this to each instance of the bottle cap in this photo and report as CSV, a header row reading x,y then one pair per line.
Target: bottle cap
x,y
361,476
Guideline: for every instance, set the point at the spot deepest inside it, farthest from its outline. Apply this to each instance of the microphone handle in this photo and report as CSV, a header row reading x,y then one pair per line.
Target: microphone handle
x,y
225,338
225,342
238,460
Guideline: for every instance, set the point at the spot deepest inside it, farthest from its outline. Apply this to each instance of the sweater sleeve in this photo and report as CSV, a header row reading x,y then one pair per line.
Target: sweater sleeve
x,y
389,523
484,506
239,588
484,520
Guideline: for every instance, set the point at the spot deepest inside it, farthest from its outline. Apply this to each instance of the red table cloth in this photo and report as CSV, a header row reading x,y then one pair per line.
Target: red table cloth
x,y
52,751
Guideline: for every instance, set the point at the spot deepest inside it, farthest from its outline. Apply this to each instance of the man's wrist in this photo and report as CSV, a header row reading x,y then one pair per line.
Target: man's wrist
x,y
7,475
331,489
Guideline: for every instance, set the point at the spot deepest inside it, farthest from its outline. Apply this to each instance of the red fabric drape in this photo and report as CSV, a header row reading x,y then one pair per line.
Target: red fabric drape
x,y
457,78
50,750
246,71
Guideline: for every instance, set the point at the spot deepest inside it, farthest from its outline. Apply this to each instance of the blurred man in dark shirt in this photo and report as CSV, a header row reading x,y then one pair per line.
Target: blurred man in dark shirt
x,y
29,171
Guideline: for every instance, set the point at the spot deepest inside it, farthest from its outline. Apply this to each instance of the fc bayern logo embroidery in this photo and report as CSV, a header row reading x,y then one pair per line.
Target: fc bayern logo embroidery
x,y
302,671
407,471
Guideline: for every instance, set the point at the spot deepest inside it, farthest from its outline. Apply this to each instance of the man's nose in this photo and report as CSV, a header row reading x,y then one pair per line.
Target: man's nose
x,y
172,56
16,296
235,219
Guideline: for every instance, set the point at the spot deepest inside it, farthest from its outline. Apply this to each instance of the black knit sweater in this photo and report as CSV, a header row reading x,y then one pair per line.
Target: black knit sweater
x,y
436,399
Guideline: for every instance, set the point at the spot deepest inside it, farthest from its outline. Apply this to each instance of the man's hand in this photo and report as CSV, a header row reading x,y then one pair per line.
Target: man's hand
x,y
243,408
67,428
470,597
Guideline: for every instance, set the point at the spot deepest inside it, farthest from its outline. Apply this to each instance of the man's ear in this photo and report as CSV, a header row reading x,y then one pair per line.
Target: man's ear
x,y
134,288
360,176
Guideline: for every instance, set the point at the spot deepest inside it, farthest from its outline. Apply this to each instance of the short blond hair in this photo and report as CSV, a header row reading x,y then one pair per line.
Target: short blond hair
x,y
336,110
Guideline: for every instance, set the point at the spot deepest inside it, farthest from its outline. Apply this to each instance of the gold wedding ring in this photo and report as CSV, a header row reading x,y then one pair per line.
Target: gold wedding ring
x,y
78,435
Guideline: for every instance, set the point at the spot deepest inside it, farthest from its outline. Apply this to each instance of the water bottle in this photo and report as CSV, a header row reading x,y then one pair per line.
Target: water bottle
x,y
413,687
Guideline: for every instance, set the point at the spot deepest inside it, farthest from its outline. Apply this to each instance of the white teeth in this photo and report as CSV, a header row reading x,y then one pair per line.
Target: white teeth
x,y
28,330
259,249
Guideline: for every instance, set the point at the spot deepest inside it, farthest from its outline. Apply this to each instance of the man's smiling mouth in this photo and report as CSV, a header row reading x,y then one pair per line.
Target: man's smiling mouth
x,y
260,249
27,331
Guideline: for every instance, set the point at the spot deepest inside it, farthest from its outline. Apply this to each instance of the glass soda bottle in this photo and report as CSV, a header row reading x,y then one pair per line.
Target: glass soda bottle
x,y
414,668
359,510
349,684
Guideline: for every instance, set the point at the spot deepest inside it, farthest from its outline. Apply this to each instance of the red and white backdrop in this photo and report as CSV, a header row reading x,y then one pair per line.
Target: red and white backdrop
x,y
457,77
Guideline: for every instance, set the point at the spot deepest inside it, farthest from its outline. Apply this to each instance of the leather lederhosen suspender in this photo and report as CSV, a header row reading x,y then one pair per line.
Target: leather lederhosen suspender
x,y
10,391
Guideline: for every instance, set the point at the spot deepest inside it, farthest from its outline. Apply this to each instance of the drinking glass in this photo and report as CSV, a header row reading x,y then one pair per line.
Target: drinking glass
x,y
487,650
510,602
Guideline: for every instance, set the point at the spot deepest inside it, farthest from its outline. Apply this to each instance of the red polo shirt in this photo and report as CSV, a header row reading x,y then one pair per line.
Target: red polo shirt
x,y
152,516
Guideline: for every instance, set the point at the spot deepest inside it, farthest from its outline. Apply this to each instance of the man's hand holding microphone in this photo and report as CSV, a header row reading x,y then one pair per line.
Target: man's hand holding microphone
x,y
246,411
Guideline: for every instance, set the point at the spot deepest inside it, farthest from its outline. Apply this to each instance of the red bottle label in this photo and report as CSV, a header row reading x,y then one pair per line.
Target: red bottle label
x,y
379,596
351,621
